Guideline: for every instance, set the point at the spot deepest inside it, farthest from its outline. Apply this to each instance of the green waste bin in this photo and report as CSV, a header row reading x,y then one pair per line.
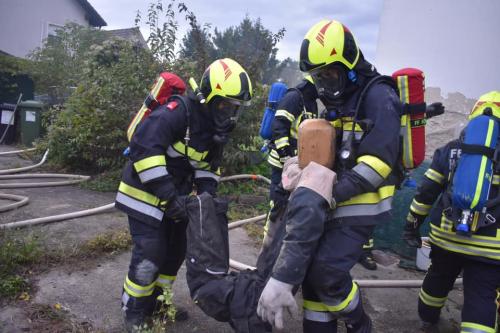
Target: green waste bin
x,y
31,121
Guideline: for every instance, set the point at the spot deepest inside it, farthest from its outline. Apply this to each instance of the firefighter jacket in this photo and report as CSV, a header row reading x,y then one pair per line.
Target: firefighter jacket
x,y
367,179
484,243
296,105
162,165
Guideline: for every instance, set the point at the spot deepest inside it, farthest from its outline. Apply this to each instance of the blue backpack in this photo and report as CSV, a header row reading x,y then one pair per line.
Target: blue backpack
x,y
276,93
473,175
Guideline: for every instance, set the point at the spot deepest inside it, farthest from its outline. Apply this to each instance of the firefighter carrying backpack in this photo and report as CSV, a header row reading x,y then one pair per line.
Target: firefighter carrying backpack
x,y
276,93
166,85
473,175
409,83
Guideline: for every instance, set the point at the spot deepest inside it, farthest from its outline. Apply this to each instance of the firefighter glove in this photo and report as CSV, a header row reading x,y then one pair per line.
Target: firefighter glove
x,y
280,200
284,153
275,298
319,179
411,232
176,208
434,109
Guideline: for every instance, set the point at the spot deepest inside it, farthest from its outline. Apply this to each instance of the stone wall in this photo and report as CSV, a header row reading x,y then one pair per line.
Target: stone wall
x,y
446,127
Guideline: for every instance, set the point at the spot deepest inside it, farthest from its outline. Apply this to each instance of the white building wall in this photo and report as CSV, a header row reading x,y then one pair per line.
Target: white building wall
x,y
455,42
24,24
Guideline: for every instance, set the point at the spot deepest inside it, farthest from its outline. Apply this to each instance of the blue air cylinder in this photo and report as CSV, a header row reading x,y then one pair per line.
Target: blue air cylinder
x,y
474,172
278,89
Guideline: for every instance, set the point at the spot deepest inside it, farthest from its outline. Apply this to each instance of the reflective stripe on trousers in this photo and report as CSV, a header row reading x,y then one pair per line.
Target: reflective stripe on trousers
x,y
475,328
324,312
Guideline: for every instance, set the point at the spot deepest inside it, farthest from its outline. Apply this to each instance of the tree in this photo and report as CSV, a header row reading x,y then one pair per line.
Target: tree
x,y
11,73
163,28
250,44
197,45
58,63
286,70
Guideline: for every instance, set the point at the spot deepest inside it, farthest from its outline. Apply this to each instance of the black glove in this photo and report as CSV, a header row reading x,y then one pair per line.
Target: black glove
x,y
216,156
176,208
280,200
411,231
163,189
284,153
434,109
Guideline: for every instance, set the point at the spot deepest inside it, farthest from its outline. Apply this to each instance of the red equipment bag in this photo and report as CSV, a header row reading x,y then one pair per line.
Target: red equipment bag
x,y
411,85
165,85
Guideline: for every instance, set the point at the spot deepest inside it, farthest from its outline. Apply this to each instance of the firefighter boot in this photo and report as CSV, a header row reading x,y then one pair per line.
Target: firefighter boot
x,y
357,321
367,261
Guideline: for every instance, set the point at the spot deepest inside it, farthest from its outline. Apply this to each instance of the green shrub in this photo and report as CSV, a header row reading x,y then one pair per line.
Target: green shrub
x,y
88,132
245,140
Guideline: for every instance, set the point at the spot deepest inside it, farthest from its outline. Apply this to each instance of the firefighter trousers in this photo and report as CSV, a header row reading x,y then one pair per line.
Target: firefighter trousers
x,y
277,195
481,281
328,290
157,255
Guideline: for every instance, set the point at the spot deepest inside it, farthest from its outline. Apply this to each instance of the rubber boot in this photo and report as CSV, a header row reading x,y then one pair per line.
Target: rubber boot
x,y
136,311
366,260
363,325
427,327
428,314
357,321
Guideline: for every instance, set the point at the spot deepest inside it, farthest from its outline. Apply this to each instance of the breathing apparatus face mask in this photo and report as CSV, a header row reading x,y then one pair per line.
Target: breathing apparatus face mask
x,y
225,113
332,83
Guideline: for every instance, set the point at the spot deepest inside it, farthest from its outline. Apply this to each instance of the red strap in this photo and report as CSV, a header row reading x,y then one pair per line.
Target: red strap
x,y
172,105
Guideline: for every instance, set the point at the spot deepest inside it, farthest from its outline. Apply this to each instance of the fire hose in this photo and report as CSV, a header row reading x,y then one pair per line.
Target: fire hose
x,y
78,178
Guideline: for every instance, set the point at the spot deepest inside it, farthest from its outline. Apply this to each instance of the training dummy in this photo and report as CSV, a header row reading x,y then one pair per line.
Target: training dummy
x,y
233,297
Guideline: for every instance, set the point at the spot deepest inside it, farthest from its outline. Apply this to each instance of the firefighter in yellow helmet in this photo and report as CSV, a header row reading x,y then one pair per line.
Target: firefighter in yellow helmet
x,y
366,164
476,255
297,105
176,149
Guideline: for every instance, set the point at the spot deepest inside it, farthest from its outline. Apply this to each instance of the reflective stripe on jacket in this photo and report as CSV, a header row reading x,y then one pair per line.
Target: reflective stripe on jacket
x,y
289,115
366,183
161,166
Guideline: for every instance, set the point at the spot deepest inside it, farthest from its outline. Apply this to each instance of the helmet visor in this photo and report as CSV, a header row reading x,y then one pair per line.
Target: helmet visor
x,y
330,81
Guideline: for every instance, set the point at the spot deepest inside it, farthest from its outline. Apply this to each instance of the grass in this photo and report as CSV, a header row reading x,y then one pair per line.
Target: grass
x,y
20,255
108,243
242,187
239,211
16,253
104,182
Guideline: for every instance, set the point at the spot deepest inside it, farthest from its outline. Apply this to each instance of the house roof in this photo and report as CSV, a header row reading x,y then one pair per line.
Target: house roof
x,y
133,35
5,54
91,14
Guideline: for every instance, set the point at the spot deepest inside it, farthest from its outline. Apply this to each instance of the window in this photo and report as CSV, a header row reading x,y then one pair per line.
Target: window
x,y
52,32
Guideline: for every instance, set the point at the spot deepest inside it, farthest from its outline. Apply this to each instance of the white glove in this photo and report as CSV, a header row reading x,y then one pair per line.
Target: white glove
x,y
291,174
320,179
276,297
